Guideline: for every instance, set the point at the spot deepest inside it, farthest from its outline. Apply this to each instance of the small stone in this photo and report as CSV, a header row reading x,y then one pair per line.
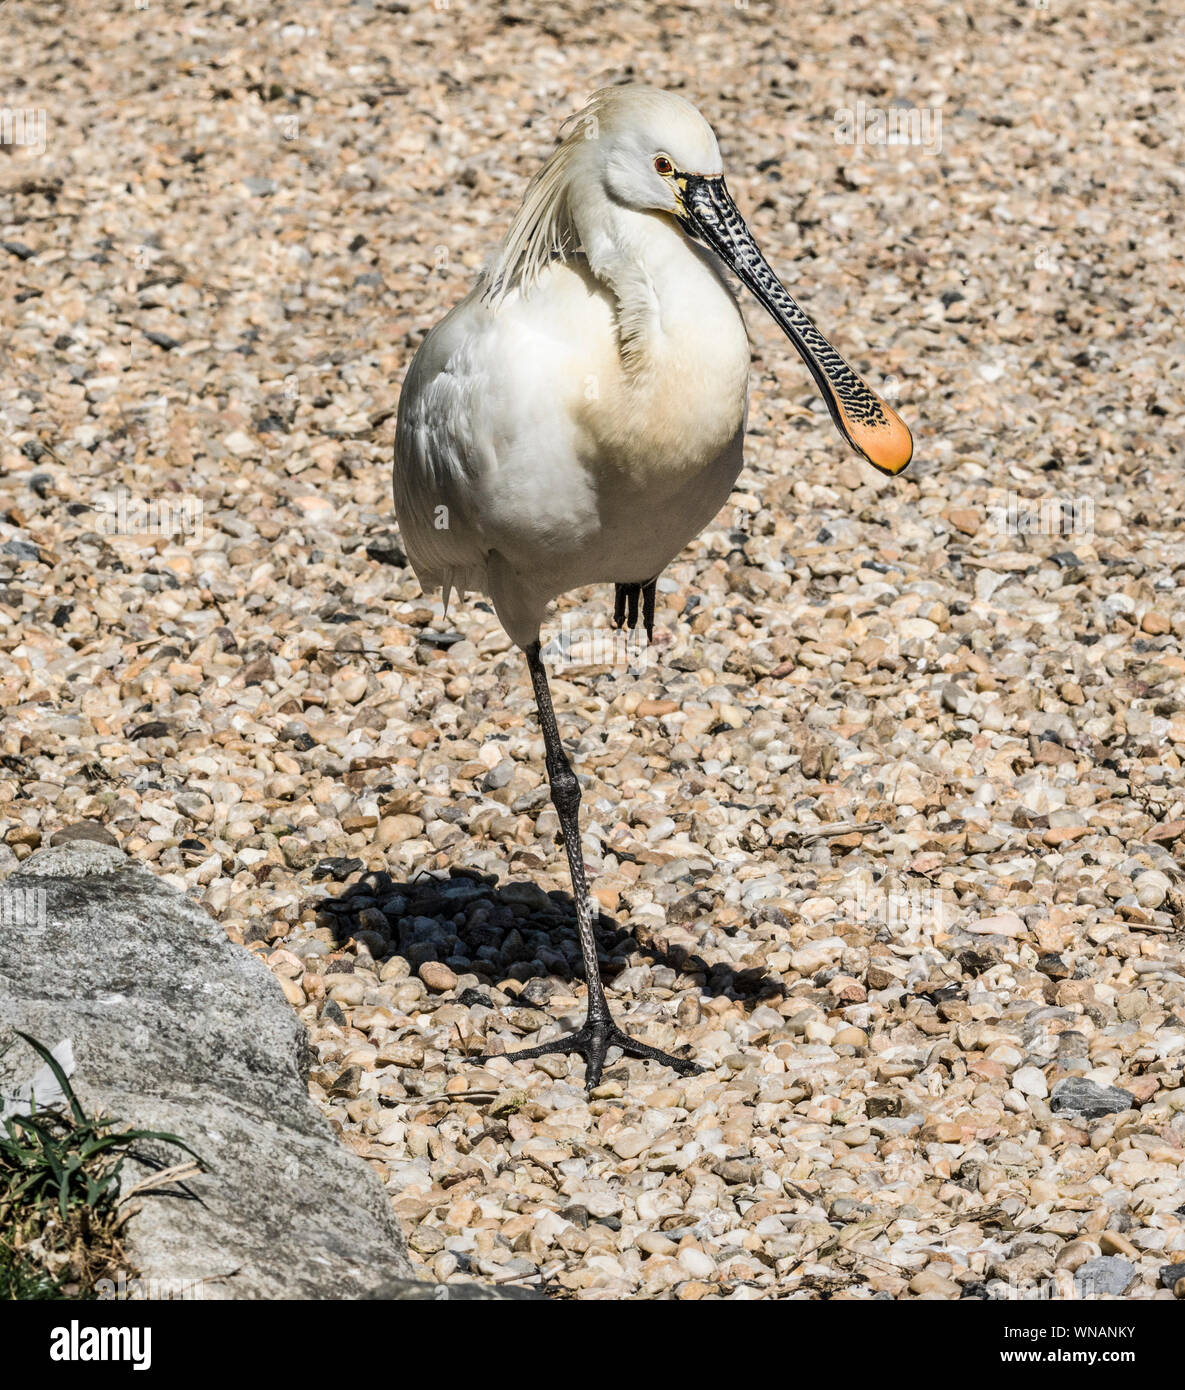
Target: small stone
x,y
348,1084
929,1283
83,830
437,976
1082,1097
1053,966
968,520
697,1263
507,1103
1104,1276
499,776
293,993
1004,924
1152,888
347,990
1167,831
394,830
1030,1081
956,699
352,688
1075,1253
629,1143
240,443
337,867
426,1240
1114,1243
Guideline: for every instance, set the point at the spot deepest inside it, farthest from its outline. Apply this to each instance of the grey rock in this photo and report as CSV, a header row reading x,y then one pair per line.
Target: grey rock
x,y
956,699
1082,1097
176,1028
23,550
1105,1275
498,776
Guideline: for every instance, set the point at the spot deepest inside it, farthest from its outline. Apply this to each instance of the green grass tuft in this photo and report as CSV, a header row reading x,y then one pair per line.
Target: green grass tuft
x,y
60,1206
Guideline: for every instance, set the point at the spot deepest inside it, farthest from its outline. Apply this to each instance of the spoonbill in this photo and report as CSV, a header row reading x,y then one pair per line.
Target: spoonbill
x,y
579,417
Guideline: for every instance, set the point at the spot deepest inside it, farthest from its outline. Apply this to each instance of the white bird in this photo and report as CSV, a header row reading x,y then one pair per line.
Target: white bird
x,y
579,417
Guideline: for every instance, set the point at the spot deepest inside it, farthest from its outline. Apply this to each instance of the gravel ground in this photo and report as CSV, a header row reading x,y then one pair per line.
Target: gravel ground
x,y
886,824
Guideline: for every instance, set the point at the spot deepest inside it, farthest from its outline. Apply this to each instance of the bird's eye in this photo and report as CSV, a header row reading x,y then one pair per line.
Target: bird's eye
x,y
663,165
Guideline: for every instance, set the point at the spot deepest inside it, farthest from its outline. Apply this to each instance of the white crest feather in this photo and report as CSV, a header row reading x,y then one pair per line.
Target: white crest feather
x,y
542,228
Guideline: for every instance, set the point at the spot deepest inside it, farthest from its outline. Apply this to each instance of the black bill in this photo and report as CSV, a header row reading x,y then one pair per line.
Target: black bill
x,y
871,427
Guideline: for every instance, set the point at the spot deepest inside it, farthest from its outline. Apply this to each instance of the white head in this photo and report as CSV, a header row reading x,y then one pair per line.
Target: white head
x,y
637,140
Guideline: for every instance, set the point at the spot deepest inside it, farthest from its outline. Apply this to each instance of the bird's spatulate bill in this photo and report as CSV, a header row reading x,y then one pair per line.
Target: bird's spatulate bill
x,y
871,427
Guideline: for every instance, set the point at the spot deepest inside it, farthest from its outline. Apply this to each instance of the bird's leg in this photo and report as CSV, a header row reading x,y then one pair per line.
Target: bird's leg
x,y
599,1032
625,606
648,593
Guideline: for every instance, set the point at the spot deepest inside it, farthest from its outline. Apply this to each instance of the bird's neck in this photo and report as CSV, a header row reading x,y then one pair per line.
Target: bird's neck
x,y
666,287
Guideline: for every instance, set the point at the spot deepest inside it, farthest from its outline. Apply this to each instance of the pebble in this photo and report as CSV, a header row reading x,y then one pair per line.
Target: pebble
x,y
437,976
1105,1276
1004,924
1083,1097
1030,1081
1114,1243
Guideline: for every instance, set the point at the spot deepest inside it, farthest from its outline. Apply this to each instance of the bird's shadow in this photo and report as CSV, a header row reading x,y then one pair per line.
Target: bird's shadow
x,y
495,930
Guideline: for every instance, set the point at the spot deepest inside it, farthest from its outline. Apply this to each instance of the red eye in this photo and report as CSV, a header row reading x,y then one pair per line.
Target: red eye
x,y
663,165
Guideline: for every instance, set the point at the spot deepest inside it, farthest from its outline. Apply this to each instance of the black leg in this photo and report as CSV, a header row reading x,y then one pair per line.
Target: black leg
x,y
625,606
599,1032
648,593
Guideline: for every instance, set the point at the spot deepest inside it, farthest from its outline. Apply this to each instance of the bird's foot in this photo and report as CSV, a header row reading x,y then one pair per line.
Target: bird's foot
x,y
592,1041
626,598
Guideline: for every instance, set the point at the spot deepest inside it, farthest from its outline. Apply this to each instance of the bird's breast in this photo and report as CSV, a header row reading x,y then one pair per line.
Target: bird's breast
x,y
670,399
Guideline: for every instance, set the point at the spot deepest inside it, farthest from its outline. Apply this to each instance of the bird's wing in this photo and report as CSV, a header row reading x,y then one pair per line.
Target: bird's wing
x,y
486,453
441,451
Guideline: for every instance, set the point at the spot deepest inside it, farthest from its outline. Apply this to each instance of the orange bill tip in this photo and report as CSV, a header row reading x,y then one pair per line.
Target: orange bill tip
x,y
886,443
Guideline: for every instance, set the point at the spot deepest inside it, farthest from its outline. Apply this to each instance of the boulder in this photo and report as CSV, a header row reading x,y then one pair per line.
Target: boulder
x,y
175,1028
